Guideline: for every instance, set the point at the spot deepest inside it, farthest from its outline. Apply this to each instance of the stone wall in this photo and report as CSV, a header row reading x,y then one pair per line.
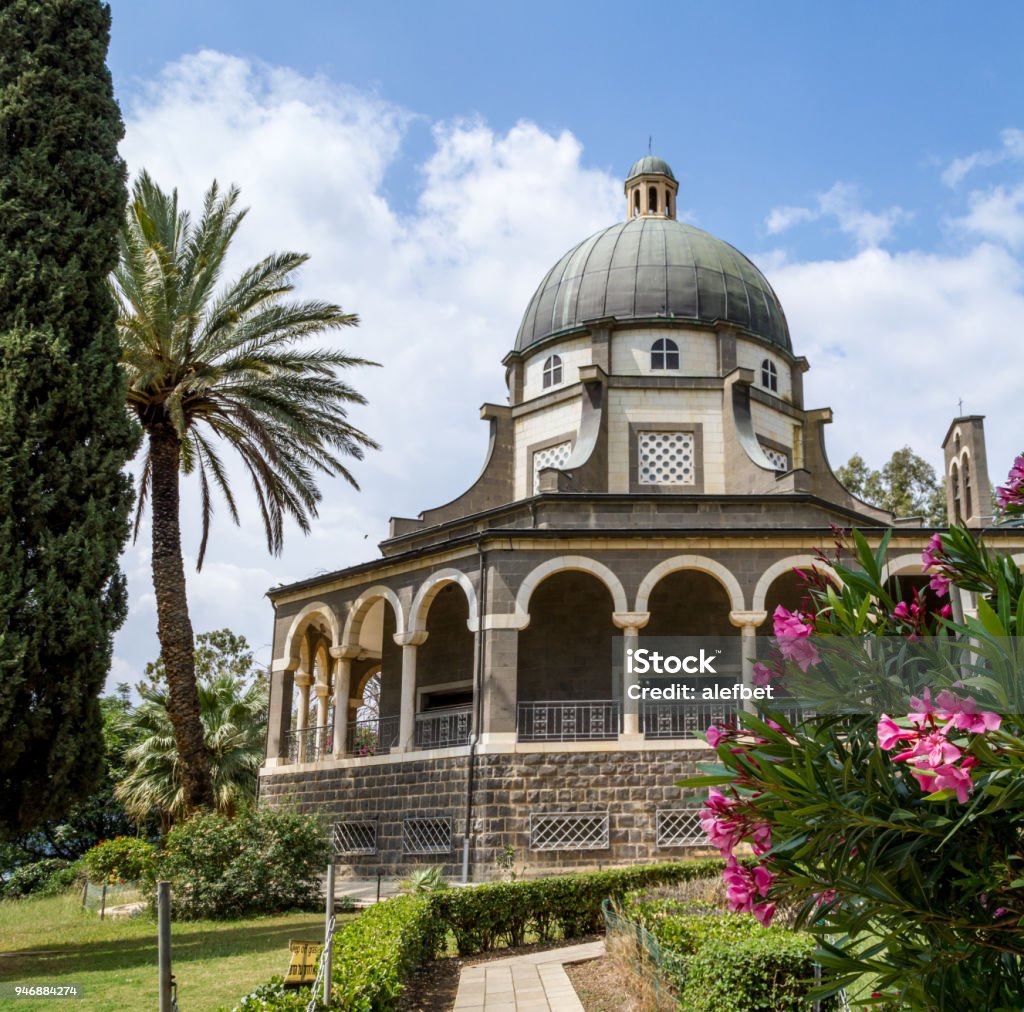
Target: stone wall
x,y
629,785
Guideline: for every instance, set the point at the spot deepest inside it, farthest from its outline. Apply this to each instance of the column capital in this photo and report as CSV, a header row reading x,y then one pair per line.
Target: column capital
x,y
415,638
303,679
631,619
747,618
284,664
322,690
346,653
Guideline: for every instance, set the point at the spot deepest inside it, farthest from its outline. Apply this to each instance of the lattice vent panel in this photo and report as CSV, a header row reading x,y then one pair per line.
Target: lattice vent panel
x,y
569,831
551,456
426,836
355,837
680,827
666,458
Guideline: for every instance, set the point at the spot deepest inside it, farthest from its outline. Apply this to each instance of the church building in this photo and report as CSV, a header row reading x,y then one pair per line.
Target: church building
x,y
654,473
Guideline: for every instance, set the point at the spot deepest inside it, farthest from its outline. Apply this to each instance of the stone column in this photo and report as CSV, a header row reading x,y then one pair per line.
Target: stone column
x,y
343,657
303,680
408,641
630,622
322,690
280,717
747,623
500,679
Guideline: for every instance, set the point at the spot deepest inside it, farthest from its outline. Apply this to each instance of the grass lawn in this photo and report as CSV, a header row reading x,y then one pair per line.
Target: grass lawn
x,y
215,963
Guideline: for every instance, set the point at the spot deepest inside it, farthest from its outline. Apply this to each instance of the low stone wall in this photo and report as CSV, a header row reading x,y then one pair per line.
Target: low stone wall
x,y
629,787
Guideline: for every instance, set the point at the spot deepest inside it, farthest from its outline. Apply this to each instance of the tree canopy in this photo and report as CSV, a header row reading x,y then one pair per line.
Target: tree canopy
x,y
64,433
906,485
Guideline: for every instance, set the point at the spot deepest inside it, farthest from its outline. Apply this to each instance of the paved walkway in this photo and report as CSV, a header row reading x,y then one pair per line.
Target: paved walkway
x,y
536,982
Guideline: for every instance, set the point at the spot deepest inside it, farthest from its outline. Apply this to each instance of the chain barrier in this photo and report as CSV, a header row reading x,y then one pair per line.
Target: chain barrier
x,y
321,968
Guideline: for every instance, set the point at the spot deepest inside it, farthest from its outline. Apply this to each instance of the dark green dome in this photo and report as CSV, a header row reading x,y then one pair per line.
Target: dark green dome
x,y
650,267
650,166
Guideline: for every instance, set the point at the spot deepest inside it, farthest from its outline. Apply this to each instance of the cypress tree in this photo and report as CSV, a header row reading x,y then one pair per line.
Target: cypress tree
x,y
64,433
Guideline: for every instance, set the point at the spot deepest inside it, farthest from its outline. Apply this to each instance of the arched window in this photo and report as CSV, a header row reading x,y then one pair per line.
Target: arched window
x,y
552,371
636,201
968,508
652,200
664,354
668,205
954,482
769,375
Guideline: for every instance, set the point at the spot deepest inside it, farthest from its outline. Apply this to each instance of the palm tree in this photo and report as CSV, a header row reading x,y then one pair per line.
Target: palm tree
x,y
234,721
231,364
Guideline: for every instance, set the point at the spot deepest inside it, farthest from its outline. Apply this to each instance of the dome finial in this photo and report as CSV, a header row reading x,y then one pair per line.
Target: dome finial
x,y
651,188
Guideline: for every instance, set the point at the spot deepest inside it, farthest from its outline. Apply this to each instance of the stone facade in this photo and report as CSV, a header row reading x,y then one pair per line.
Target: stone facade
x,y
630,788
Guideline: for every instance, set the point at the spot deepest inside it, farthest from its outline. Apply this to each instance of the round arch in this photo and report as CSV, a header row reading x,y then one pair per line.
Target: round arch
x,y
430,589
774,571
358,610
901,565
577,563
698,562
302,621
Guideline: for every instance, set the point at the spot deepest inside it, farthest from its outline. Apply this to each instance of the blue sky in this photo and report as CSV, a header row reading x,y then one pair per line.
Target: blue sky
x,y
436,159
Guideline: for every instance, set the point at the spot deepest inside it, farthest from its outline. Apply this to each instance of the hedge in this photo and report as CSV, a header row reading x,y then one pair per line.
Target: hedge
x,y
720,962
377,954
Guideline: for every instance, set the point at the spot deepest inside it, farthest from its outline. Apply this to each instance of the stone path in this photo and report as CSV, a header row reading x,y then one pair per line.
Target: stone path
x,y
536,982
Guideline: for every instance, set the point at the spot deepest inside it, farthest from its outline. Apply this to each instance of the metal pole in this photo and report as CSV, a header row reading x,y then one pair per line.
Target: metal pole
x,y
103,901
329,915
163,912
380,875
85,893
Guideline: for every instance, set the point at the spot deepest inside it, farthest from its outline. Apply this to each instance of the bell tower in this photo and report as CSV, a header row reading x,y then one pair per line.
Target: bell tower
x,y
968,491
651,189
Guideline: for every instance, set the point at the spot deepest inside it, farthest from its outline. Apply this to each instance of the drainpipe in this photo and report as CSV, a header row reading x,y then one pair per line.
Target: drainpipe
x,y
478,677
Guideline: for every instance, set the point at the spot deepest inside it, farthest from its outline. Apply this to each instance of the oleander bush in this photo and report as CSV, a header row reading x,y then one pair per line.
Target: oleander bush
x,y
123,859
263,861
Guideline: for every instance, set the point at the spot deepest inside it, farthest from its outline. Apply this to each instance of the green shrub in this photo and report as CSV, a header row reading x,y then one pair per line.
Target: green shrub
x,y
569,906
729,962
45,877
123,859
264,861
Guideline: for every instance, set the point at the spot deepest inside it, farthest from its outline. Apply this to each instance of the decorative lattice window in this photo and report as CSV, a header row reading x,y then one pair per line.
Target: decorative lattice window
x,y
680,827
357,836
551,456
569,831
666,458
426,835
769,375
779,458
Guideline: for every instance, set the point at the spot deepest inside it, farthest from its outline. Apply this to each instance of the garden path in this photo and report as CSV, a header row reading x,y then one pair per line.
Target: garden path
x,y
536,982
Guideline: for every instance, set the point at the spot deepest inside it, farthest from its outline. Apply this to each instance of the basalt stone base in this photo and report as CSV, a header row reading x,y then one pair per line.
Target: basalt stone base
x,y
587,809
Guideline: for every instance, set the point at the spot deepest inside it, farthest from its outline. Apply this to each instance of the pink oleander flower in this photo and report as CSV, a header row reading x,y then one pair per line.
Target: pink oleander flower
x,y
719,822
764,912
714,735
937,778
826,896
964,713
763,675
930,555
890,734
940,584
792,629
1012,493
933,750
921,706
946,611
743,886
761,838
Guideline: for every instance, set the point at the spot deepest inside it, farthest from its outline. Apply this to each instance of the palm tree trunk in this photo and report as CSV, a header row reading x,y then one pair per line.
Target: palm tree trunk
x,y
174,627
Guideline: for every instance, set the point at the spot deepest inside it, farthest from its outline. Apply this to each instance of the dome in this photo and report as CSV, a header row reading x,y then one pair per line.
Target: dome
x,y
654,267
650,166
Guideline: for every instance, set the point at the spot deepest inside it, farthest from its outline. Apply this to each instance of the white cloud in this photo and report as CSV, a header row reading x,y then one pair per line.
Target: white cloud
x,y
1011,149
842,204
997,213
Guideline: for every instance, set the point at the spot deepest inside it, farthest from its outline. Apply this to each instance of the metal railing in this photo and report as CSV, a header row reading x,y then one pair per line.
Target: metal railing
x,y
311,744
443,728
584,720
377,736
684,720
